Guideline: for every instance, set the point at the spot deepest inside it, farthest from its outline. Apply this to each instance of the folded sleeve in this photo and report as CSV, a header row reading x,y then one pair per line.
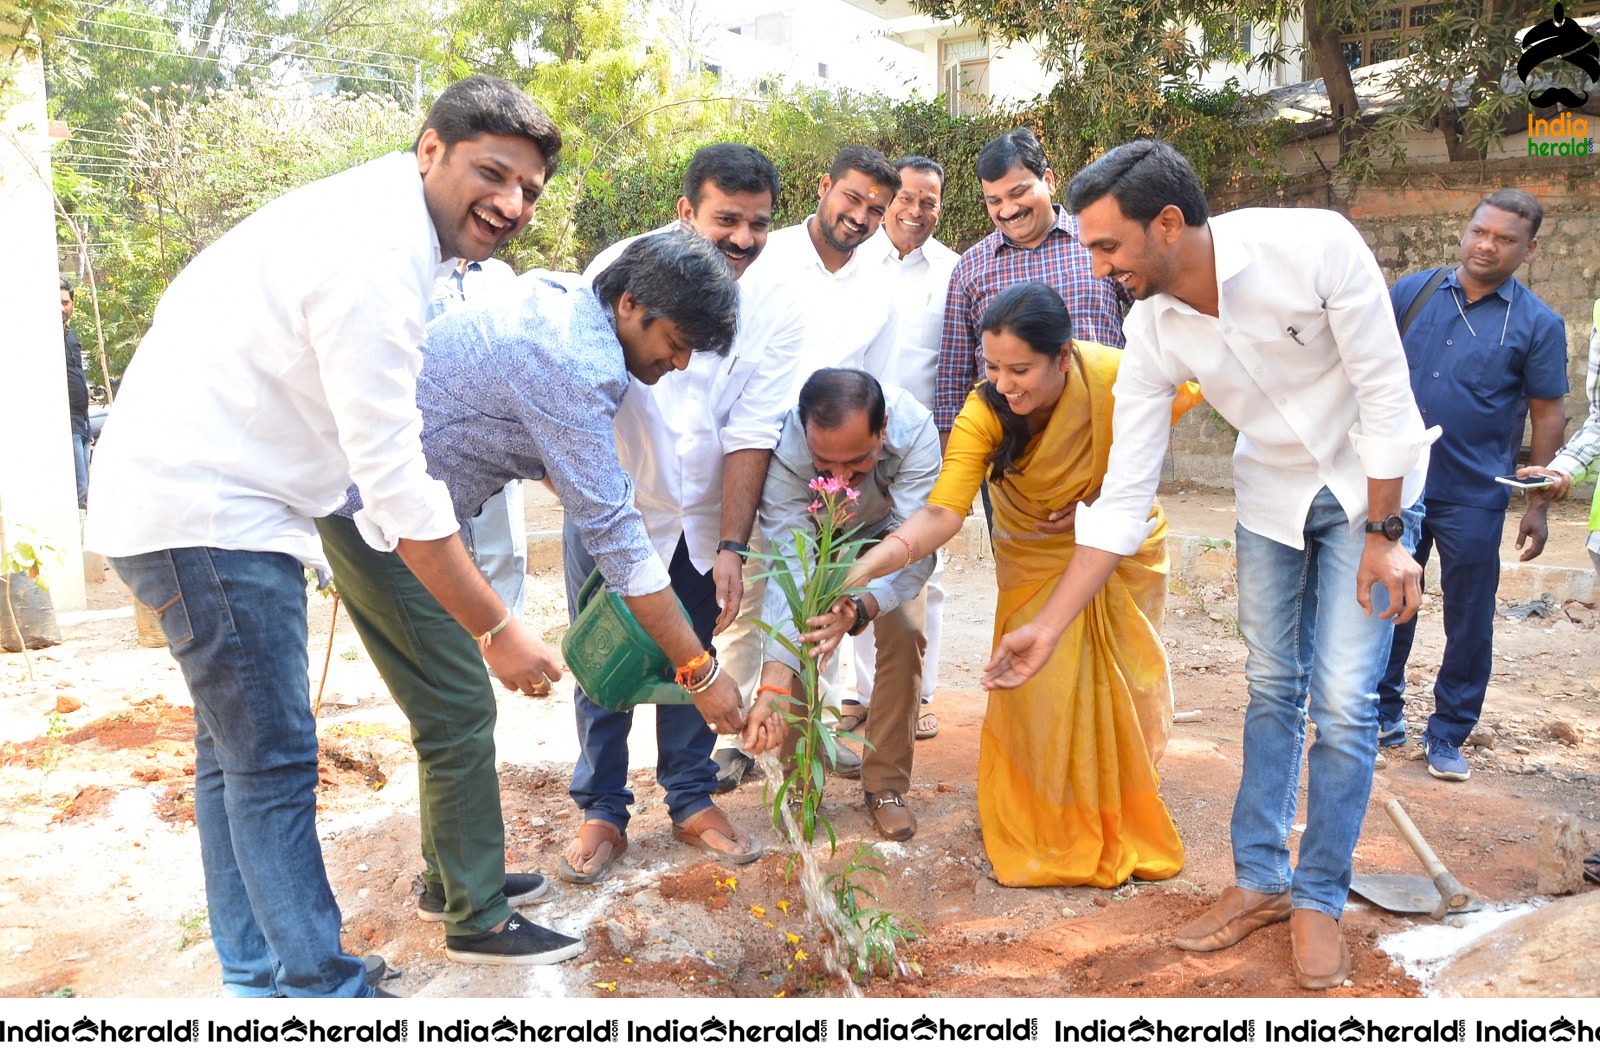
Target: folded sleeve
x,y
1389,437
365,325
757,414
1145,392
974,435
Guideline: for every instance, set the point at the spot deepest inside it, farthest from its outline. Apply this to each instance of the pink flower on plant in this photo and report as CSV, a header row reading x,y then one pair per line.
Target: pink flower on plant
x,y
829,485
815,506
852,495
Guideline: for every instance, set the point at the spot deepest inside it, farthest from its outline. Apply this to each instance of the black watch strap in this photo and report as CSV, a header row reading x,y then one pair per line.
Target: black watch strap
x,y
738,548
1392,528
861,614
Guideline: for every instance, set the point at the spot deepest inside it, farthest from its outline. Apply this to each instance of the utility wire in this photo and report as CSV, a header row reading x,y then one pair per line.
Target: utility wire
x,y
275,38
230,65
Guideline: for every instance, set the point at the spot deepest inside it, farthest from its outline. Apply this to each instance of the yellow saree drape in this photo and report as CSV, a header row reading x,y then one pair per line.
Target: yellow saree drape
x,y
1067,787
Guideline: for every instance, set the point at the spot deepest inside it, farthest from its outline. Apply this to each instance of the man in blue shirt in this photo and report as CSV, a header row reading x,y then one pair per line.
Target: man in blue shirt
x,y
1480,344
527,386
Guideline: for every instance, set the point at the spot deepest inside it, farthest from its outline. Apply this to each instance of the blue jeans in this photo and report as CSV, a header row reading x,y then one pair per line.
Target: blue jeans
x,y
236,623
1468,540
80,466
1306,635
683,741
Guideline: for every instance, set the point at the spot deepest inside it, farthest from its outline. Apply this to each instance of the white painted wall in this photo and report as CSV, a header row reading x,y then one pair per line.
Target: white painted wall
x,y
37,489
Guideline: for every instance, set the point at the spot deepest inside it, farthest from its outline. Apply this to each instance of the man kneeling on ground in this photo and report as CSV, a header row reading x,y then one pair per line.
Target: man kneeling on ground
x,y
883,445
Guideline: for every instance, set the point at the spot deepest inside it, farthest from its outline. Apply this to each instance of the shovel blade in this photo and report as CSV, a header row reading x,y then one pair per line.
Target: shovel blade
x,y
1403,894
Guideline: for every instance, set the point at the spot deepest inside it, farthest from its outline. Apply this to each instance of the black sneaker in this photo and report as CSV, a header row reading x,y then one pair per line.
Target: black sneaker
x,y
522,888
378,969
519,942
733,765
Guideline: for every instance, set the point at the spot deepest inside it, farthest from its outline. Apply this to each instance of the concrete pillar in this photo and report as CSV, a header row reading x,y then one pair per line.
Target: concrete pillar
x,y
38,492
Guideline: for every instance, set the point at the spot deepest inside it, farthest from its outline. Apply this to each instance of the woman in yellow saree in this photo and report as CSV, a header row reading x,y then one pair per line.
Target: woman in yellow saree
x,y
1067,787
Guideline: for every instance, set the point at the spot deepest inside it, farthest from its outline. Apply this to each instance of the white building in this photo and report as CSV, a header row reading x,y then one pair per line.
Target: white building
x,y
974,71
820,43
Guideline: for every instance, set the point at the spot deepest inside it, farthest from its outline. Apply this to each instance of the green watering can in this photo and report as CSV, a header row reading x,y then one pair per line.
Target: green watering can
x,y
612,658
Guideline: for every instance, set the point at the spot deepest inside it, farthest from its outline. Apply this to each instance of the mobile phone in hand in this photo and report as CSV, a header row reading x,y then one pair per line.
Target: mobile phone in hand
x,y
1532,482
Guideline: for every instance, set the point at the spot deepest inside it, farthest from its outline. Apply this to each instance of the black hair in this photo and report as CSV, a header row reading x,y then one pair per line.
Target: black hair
x,y
678,276
66,285
1005,151
832,394
482,105
1145,177
868,162
1517,201
922,164
732,168
1034,313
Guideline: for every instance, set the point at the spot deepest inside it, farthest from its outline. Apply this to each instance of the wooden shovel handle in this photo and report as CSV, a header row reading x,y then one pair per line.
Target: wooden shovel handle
x,y
1449,887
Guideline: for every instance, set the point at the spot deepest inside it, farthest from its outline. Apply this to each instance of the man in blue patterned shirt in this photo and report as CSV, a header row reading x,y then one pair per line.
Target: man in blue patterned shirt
x,y
526,387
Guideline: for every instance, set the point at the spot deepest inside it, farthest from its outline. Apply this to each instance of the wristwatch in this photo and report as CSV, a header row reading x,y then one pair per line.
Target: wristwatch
x,y
738,548
861,614
1390,528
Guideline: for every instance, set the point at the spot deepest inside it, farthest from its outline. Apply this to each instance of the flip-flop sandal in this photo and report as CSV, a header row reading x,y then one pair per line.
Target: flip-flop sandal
x,y
852,715
594,835
712,821
927,725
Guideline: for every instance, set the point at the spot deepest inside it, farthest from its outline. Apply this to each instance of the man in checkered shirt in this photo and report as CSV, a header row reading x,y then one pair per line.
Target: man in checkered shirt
x,y
1034,241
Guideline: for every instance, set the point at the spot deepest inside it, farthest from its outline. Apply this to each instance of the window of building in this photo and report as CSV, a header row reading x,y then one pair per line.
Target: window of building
x,y
1387,29
965,66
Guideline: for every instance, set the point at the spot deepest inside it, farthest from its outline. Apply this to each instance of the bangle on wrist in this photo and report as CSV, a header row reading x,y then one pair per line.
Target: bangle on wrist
x,y
694,688
911,550
485,639
685,673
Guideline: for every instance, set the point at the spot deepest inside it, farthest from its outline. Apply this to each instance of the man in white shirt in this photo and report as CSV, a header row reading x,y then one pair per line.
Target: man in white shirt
x,y
697,446
850,320
921,267
282,367
1284,318
846,294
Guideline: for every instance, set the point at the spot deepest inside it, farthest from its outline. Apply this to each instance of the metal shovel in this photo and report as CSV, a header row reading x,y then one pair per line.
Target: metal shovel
x,y
1437,896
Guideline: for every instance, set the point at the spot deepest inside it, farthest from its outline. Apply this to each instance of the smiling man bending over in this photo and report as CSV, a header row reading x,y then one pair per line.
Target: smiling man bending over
x,y
527,386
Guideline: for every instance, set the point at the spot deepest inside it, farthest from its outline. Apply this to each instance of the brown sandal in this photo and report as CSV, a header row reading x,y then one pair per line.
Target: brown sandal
x,y
852,715
596,838
740,847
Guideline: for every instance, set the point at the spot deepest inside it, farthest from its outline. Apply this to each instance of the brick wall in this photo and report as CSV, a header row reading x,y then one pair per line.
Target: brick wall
x,y
1412,219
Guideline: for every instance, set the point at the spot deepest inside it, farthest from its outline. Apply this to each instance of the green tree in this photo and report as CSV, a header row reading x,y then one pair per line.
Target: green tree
x,y
510,38
196,166
1126,70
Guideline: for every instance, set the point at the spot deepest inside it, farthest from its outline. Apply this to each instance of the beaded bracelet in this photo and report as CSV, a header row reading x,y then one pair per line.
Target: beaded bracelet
x,y
911,550
705,682
486,639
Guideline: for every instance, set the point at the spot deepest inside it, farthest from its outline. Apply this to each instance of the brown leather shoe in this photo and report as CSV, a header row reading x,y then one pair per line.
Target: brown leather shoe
x,y
890,815
1237,913
1321,959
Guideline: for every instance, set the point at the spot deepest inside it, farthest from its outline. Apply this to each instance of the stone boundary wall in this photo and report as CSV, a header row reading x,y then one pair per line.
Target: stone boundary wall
x,y
1412,219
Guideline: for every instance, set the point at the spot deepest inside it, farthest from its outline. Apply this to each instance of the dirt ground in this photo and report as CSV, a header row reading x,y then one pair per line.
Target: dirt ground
x,y
102,870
